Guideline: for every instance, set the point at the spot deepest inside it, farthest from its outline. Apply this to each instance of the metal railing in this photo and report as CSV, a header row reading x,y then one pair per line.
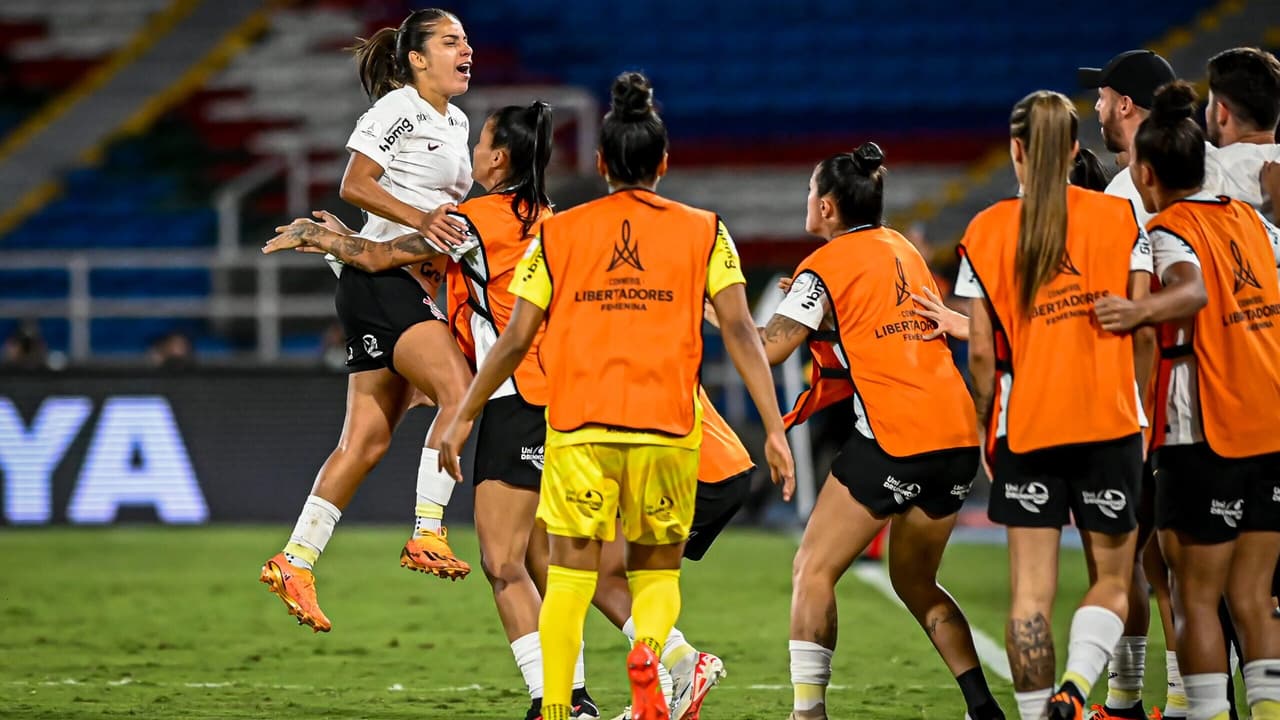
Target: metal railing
x,y
268,306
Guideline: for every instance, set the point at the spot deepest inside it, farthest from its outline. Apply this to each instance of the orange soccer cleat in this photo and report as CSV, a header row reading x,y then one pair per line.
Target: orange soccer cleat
x,y
297,588
647,702
429,552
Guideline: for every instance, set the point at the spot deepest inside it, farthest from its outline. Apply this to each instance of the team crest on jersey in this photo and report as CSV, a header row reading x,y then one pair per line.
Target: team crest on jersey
x,y
371,346
1243,273
625,253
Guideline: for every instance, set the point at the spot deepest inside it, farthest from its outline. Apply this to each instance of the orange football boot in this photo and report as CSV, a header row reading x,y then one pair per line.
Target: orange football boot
x,y
429,552
297,588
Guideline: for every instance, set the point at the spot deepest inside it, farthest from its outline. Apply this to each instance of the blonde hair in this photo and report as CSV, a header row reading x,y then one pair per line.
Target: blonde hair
x,y
1046,124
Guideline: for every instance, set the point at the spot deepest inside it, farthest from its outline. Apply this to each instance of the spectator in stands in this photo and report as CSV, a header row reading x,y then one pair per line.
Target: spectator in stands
x,y
172,351
333,348
25,348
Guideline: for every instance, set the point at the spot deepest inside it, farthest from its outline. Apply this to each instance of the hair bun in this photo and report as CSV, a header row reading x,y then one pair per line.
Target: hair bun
x,y
632,97
868,157
1173,103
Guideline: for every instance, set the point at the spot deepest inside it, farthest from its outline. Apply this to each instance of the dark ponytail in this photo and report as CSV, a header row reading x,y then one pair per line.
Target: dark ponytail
x,y
525,133
1170,141
856,181
383,58
1087,172
633,138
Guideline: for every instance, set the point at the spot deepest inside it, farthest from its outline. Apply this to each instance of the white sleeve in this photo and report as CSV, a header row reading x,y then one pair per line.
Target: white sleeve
x,y
967,285
1273,233
807,302
381,130
1168,250
1140,258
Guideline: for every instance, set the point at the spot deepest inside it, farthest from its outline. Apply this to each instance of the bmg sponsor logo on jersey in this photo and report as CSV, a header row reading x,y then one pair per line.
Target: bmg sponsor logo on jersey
x,y
397,130
902,492
1229,510
1031,496
1108,502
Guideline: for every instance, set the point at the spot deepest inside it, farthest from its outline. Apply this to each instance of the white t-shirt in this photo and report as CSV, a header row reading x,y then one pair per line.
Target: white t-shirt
x,y
1122,186
809,303
967,286
424,155
1183,424
1233,171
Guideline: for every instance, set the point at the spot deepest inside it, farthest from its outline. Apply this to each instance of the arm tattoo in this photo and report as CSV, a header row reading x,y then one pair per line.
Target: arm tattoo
x,y
414,245
782,329
1030,645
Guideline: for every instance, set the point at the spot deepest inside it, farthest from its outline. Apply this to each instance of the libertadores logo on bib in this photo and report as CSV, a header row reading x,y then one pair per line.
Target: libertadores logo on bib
x,y
625,252
1244,275
1031,496
1108,502
901,286
1229,510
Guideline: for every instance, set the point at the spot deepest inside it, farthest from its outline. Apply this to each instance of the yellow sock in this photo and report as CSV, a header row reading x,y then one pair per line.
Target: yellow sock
x,y
1176,701
557,712
1225,715
425,509
655,605
1079,681
1265,710
564,610
808,697
298,550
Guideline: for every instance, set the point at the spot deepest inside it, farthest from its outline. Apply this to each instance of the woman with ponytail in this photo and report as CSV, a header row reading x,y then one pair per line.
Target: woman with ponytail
x,y
409,166
902,467
1217,453
621,350
1058,398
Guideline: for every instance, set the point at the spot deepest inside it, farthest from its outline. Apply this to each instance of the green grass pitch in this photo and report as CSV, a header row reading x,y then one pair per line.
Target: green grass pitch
x,y
172,623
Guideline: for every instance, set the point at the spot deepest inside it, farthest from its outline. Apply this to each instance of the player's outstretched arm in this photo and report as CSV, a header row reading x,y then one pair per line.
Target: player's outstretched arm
x,y
512,345
1182,295
742,341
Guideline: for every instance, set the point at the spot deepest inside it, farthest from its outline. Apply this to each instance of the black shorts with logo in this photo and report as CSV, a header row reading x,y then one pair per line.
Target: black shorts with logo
x,y
713,508
1212,498
936,482
1098,483
375,309
510,443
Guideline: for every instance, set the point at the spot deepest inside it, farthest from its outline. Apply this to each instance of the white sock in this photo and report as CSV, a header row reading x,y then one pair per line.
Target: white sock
x,y
810,665
312,532
1094,634
580,669
665,682
1177,693
677,651
528,653
1206,695
1262,681
1031,704
435,488
629,629
1125,672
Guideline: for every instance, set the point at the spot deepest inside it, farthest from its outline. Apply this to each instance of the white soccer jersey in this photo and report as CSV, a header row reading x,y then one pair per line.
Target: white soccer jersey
x,y
424,155
1122,186
1233,171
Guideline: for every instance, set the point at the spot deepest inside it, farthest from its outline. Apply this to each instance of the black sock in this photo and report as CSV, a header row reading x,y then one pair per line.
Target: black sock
x,y
977,696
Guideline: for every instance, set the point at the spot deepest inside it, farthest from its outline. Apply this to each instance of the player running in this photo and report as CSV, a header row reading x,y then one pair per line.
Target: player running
x,y
408,151
622,350
1059,398
1218,455
851,302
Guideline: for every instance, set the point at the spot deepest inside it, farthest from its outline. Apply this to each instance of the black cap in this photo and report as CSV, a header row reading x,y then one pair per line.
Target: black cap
x,y
1137,73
